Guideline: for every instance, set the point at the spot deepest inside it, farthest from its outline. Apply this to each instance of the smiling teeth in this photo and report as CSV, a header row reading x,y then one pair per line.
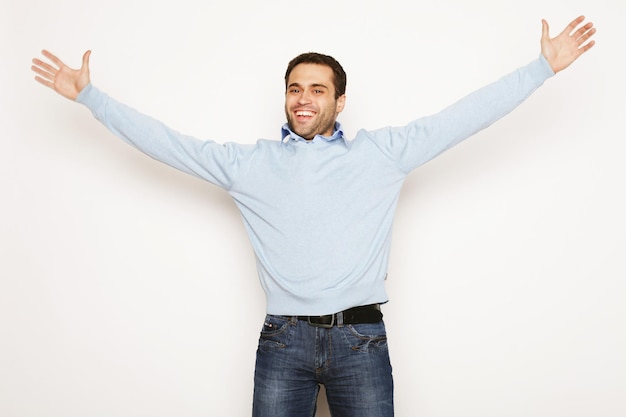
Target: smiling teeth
x,y
304,113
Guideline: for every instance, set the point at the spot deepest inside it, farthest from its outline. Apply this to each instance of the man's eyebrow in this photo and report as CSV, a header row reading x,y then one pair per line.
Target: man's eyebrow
x,y
316,85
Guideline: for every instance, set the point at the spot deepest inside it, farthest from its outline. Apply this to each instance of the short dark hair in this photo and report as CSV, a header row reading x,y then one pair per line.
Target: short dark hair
x,y
321,59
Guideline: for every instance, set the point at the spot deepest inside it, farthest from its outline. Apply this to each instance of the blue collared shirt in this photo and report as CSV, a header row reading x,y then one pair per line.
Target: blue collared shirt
x,y
287,133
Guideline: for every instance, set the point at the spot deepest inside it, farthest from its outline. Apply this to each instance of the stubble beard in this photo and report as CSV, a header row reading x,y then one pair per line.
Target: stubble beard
x,y
323,125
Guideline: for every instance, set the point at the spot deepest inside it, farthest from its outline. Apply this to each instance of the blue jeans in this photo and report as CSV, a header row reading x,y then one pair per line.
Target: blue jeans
x,y
294,358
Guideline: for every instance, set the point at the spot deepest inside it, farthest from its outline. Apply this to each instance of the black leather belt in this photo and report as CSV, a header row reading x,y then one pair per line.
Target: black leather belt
x,y
356,315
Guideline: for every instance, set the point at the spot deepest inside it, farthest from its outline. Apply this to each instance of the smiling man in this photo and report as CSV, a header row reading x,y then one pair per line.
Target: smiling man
x,y
316,86
318,210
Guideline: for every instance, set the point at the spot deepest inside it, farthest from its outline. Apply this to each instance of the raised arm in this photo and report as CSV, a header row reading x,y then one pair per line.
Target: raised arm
x,y
572,42
206,159
425,138
64,80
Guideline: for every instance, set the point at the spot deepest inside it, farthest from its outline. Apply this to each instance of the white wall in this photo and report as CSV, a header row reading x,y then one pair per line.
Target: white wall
x,y
129,289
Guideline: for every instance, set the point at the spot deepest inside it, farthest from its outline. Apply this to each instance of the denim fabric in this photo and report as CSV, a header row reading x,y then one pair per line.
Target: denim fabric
x,y
294,358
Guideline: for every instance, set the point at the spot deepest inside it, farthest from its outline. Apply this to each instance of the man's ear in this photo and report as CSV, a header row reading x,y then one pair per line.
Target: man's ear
x,y
341,103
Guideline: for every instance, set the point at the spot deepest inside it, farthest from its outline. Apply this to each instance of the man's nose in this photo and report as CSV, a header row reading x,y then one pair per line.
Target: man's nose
x,y
304,98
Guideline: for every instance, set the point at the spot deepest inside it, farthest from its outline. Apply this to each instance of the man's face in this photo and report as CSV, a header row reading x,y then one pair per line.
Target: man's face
x,y
310,103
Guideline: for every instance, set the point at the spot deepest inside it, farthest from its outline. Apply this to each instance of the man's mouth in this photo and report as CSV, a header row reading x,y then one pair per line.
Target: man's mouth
x,y
305,113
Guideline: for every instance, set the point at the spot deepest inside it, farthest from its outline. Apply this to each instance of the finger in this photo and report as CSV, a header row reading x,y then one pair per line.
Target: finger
x,y
586,36
587,47
580,32
53,58
44,66
573,24
44,82
584,48
43,73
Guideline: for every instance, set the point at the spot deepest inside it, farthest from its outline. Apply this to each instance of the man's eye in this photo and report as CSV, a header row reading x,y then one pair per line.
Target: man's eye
x,y
318,91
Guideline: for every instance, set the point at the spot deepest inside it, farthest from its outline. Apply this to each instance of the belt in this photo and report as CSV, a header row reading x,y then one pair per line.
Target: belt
x,y
357,315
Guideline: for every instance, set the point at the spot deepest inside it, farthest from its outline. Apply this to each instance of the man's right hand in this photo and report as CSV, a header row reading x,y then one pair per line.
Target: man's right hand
x,y
64,80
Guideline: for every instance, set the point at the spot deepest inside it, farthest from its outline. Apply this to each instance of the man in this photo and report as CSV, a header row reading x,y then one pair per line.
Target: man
x,y
318,210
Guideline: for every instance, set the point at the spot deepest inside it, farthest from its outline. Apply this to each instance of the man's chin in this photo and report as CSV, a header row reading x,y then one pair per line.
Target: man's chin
x,y
303,134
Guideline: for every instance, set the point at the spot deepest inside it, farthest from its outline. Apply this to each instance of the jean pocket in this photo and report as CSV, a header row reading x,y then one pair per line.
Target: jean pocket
x,y
367,336
275,332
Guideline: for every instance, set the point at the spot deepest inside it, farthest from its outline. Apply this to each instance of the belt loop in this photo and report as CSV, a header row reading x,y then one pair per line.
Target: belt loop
x,y
340,319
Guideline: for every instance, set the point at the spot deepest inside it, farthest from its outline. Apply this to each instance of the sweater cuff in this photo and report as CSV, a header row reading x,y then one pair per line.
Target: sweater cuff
x,y
88,95
544,67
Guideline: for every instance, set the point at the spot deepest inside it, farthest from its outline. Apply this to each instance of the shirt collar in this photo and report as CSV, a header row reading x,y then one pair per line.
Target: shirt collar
x,y
288,135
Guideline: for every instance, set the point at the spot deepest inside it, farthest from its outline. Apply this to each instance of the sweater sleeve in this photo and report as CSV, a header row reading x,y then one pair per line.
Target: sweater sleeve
x,y
423,139
208,160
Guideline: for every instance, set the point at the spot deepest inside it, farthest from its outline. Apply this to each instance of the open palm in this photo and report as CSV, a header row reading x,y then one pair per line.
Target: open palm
x,y
565,48
64,80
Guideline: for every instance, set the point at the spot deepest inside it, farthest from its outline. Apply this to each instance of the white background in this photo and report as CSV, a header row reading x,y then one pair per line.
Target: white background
x,y
129,289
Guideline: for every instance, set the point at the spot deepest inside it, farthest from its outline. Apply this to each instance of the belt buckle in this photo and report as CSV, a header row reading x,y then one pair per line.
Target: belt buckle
x,y
322,325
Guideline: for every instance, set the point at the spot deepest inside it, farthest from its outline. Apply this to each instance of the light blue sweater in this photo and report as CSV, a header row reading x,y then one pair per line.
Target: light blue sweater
x,y
319,214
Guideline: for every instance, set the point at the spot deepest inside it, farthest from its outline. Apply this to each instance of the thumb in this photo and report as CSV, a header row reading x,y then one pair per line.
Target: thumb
x,y
545,29
86,60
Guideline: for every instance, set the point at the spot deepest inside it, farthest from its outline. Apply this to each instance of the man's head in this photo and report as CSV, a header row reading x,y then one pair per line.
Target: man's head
x,y
315,94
